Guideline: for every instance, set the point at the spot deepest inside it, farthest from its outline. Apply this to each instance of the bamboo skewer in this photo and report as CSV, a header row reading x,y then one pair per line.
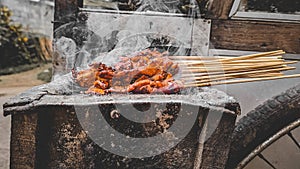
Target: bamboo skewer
x,y
213,58
236,73
220,61
233,62
209,78
240,81
223,69
263,75
240,73
272,53
217,79
264,55
206,71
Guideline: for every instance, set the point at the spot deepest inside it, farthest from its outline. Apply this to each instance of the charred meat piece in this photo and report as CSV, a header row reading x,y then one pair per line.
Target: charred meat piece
x,y
97,78
85,78
146,72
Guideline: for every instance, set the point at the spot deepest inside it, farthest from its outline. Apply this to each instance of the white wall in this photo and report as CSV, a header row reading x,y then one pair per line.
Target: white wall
x,y
36,15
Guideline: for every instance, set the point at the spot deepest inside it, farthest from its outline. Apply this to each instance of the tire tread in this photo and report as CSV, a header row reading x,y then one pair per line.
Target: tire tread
x,y
263,122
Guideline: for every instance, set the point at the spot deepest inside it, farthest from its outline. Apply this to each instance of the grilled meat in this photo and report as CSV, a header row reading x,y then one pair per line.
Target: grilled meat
x,y
146,72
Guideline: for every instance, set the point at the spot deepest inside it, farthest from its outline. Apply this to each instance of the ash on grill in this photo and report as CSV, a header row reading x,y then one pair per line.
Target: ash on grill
x,y
148,71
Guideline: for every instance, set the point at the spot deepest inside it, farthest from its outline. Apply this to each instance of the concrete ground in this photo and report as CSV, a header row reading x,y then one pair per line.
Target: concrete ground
x,y
283,153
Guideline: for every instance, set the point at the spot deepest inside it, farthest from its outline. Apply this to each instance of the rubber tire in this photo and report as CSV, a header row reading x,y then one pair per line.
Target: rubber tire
x,y
262,123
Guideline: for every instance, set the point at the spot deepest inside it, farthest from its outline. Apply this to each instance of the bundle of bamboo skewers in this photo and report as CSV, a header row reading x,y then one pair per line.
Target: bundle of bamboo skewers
x,y
198,71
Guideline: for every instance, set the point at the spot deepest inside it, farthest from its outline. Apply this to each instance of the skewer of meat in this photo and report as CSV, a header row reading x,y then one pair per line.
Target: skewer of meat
x,y
150,71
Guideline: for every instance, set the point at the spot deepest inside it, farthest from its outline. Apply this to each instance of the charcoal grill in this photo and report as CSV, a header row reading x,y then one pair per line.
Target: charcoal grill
x,y
52,123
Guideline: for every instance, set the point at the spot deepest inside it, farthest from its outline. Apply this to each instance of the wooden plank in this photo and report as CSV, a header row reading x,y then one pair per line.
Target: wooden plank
x,y
218,9
255,35
23,141
264,16
71,146
217,145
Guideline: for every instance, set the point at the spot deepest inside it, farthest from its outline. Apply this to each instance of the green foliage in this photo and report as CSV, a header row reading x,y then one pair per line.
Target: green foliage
x,y
13,41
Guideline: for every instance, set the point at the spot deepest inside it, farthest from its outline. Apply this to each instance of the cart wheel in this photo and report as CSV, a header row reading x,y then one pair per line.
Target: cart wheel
x,y
263,126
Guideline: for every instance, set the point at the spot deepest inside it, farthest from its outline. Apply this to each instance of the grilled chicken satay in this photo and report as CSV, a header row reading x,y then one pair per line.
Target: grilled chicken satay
x,y
97,78
145,73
